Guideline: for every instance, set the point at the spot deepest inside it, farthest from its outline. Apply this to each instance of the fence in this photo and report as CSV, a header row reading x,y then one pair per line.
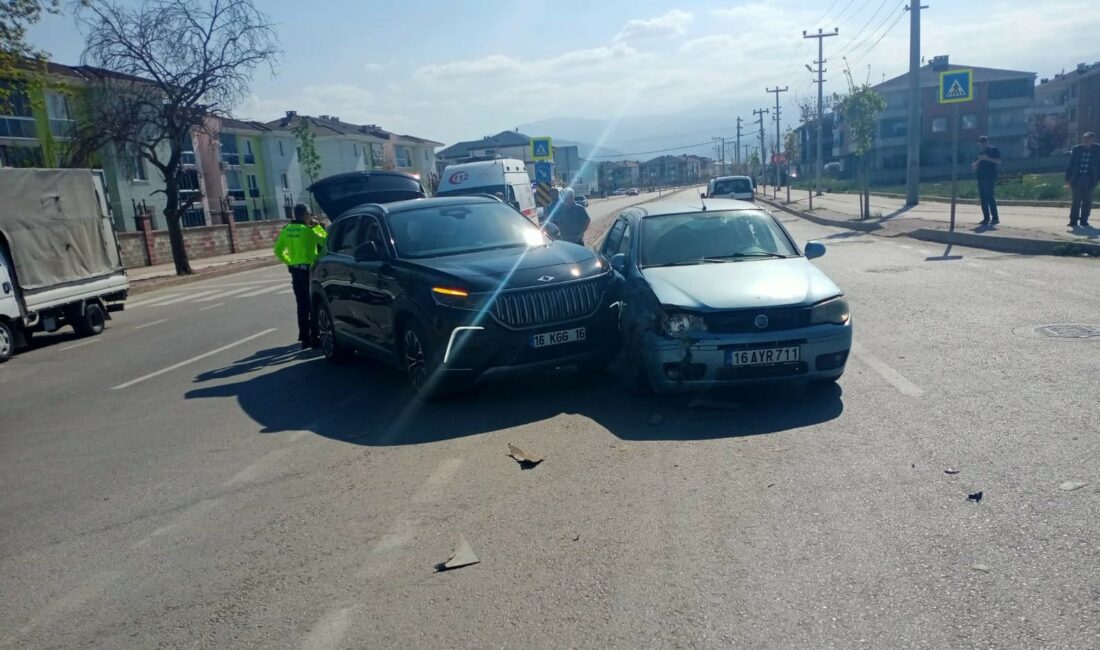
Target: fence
x,y
148,247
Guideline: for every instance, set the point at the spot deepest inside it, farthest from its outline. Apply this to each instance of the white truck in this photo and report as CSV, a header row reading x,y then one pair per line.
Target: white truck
x,y
59,257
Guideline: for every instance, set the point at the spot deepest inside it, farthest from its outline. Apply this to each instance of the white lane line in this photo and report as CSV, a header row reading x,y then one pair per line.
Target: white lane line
x,y
78,345
139,303
64,606
156,322
217,304
431,489
329,631
893,377
286,291
183,298
253,470
1004,273
225,294
908,248
260,292
202,356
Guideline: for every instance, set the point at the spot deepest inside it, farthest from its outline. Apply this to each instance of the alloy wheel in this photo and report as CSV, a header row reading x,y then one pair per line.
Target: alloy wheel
x,y
413,352
324,333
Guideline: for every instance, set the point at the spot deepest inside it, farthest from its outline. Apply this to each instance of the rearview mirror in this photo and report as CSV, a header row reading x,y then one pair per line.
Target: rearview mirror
x,y
618,262
367,252
814,249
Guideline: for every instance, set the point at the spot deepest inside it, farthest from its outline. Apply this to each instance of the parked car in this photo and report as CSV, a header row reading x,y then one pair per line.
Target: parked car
x,y
581,201
458,289
722,295
633,192
730,187
620,192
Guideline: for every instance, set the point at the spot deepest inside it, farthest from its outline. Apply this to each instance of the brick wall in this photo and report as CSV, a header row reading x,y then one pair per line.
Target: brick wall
x,y
256,235
205,241
132,246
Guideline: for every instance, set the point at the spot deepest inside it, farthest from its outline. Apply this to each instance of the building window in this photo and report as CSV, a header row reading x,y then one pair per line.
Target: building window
x,y
970,121
355,149
253,186
230,155
895,127
281,152
1011,88
939,125
249,157
403,158
377,154
286,183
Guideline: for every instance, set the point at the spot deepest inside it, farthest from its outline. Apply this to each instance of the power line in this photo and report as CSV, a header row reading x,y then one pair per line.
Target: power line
x,y
885,19
854,14
901,14
645,153
848,46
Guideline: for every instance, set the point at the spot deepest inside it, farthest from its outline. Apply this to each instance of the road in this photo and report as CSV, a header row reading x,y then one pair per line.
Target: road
x,y
191,479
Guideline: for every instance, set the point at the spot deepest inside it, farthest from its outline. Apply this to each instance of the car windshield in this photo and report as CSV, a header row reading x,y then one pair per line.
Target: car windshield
x,y
457,229
733,186
702,237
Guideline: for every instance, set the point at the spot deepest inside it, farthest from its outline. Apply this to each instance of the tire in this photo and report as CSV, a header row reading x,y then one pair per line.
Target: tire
x,y
92,321
420,361
7,342
326,334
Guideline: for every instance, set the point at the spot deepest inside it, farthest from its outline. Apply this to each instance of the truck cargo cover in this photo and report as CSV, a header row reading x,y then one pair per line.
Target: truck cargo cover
x,y
52,220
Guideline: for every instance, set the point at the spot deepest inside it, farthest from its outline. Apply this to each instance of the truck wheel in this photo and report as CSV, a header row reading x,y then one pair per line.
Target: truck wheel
x,y
92,322
7,342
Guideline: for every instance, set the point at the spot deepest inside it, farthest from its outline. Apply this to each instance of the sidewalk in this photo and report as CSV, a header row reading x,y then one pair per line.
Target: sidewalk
x,y
1028,230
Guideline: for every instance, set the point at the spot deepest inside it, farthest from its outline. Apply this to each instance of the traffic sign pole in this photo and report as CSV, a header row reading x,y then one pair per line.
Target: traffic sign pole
x,y
956,87
954,163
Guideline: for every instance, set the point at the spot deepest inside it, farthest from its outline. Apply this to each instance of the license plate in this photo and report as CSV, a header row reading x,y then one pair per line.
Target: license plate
x,y
762,357
557,338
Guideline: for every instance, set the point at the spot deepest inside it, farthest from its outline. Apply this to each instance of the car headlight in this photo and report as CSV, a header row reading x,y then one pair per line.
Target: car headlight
x,y
834,310
683,324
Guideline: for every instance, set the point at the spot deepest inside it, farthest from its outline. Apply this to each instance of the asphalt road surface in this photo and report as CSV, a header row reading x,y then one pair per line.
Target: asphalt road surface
x,y
191,479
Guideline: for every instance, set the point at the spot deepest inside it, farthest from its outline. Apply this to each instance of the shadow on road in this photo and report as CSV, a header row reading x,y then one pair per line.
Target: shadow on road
x,y
368,404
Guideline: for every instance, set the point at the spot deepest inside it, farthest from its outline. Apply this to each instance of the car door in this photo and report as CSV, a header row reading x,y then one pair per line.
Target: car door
x,y
614,236
373,284
335,272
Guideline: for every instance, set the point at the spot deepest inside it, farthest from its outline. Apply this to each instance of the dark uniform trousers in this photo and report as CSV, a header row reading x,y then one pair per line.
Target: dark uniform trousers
x,y
299,279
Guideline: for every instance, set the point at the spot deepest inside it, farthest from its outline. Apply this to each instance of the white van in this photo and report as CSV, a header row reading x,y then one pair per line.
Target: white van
x,y
505,176
731,187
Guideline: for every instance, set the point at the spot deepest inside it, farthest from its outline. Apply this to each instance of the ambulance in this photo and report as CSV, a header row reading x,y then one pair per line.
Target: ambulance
x,y
505,178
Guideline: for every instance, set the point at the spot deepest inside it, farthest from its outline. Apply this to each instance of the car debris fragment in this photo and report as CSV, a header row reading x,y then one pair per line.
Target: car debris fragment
x,y
463,556
525,460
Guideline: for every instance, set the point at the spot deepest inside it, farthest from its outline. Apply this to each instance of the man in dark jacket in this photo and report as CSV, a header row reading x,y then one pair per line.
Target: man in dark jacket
x,y
571,219
1082,175
985,169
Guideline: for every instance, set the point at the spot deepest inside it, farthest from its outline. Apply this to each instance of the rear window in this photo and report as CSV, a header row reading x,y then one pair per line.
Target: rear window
x,y
733,186
458,229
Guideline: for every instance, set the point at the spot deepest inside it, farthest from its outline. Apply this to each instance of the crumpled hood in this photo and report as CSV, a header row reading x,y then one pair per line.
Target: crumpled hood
x,y
741,285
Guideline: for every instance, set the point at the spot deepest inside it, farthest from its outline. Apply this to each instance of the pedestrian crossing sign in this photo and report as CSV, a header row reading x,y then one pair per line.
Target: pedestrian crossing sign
x,y
542,149
956,86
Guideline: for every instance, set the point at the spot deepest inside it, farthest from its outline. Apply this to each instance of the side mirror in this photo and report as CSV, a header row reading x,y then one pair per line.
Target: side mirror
x,y
367,252
552,231
618,262
814,249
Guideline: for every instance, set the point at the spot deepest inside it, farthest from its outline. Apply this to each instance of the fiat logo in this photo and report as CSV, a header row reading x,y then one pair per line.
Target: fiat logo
x,y
761,321
459,177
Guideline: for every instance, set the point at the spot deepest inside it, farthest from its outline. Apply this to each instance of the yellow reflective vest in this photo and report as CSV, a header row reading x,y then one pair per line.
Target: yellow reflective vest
x,y
299,244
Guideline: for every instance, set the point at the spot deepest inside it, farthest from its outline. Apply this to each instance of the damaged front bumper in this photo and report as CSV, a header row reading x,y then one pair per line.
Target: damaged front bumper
x,y
707,360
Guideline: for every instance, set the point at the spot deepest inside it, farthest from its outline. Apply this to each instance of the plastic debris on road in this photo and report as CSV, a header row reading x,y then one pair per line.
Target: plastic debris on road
x,y
463,556
975,497
980,567
1070,486
951,471
525,460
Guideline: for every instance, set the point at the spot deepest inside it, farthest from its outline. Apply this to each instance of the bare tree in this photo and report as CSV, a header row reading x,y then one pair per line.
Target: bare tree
x,y
164,67
15,17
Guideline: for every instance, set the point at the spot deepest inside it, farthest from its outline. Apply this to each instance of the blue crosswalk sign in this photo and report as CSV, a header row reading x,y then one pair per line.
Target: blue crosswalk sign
x,y
544,172
956,86
541,149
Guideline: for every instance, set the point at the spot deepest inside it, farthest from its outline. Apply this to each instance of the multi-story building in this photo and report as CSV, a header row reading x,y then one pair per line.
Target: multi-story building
x,y
675,170
619,174
1066,105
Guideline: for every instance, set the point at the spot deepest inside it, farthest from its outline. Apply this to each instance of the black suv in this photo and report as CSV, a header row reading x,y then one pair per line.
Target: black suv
x,y
457,289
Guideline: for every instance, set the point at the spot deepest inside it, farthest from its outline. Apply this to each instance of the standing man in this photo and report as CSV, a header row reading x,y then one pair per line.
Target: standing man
x,y
1081,176
298,246
571,219
550,210
985,168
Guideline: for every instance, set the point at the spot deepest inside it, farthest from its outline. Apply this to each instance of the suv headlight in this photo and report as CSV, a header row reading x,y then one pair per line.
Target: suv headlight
x,y
681,324
834,310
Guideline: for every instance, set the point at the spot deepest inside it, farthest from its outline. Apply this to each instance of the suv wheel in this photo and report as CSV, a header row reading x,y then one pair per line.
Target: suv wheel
x,y
419,360
326,335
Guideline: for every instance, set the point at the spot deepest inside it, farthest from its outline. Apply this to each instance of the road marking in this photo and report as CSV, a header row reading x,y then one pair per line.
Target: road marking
x,y
892,376
190,296
78,345
139,303
430,490
329,631
217,304
253,470
156,322
193,359
225,294
260,292
196,509
67,604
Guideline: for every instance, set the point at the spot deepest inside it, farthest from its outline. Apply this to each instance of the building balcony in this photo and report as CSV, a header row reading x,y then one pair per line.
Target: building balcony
x,y
231,159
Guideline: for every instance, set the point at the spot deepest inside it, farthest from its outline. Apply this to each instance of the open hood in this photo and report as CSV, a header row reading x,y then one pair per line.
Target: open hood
x,y
342,192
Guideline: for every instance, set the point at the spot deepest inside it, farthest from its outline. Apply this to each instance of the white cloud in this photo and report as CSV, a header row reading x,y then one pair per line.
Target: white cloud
x,y
673,23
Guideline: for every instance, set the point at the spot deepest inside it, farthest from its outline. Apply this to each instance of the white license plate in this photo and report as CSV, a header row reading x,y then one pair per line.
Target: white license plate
x,y
557,338
762,357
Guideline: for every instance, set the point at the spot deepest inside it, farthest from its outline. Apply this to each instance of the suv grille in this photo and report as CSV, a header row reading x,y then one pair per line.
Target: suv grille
x,y
534,307
744,321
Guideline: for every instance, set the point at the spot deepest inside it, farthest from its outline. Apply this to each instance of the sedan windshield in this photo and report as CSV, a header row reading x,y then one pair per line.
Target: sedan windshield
x,y
703,237
457,229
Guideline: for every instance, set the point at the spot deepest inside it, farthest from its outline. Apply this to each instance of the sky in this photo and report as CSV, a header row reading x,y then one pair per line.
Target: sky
x,y
461,69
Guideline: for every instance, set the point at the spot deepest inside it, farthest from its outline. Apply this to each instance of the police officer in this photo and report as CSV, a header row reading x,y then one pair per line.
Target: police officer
x,y
298,246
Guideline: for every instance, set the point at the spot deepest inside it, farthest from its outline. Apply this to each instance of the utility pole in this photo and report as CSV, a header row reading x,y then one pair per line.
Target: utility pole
x,y
820,36
763,149
912,165
777,90
737,153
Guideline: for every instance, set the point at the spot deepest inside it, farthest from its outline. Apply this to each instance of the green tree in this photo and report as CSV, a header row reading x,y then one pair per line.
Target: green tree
x,y
859,110
15,17
792,148
308,159
169,66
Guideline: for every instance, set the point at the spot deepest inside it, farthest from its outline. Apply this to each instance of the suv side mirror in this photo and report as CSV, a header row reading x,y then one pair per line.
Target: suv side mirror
x,y
814,249
552,231
618,262
367,252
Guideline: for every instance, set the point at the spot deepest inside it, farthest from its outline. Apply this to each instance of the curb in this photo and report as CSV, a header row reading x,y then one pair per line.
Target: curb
x,y
1017,245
